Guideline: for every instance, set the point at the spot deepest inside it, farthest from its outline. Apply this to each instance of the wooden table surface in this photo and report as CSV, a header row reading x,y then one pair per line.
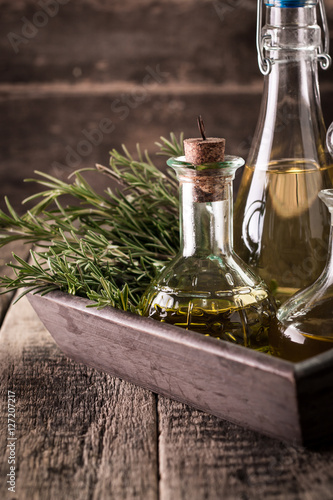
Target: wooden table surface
x,y
85,435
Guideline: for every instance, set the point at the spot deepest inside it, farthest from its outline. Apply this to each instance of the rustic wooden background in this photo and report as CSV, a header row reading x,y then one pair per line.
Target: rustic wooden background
x,y
87,61
84,434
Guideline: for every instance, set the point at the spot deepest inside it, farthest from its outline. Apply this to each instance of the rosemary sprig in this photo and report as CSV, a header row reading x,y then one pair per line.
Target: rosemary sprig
x,y
106,248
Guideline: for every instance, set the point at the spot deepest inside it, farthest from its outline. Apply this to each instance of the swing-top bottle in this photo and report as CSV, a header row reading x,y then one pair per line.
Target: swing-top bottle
x,y
281,226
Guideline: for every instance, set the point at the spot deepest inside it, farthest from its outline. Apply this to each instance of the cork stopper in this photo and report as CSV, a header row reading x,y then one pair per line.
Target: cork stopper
x,y
206,185
204,150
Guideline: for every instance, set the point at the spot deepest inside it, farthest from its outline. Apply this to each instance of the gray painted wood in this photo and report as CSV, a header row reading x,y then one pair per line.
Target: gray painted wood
x,y
80,434
86,435
225,380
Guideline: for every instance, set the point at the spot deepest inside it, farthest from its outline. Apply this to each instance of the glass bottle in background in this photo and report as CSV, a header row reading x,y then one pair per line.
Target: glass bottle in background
x,y
281,227
329,139
207,288
305,321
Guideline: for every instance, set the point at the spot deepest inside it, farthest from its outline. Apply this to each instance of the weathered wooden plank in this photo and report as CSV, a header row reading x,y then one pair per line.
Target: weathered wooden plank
x,y
195,41
223,379
80,434
203,457
45,132
102,41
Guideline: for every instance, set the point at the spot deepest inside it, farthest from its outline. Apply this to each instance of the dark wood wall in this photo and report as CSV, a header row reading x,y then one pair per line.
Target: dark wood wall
x,y
134,69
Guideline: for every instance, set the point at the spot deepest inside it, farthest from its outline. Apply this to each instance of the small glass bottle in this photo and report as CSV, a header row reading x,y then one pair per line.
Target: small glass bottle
x,y
281,227
305,321
207,287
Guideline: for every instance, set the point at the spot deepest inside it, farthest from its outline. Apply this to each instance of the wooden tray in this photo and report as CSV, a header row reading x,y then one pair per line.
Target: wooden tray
x,y
293,402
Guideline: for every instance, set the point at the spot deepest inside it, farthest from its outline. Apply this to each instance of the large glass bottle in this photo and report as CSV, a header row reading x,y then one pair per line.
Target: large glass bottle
x,y
281,227
305,321
206,287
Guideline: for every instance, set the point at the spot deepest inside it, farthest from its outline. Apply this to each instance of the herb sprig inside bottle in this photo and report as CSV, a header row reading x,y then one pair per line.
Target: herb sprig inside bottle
x,y
207,287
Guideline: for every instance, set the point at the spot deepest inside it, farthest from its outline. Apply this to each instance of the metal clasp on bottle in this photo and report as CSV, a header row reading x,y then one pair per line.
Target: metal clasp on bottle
x,y
323,55
265,63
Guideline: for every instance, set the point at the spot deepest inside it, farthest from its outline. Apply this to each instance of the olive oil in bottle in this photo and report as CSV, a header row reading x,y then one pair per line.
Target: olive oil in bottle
x,y
281,228
207,287
305,322
285,226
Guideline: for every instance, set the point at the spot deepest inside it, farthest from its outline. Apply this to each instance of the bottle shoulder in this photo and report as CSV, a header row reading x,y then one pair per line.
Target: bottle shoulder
x,y
212,276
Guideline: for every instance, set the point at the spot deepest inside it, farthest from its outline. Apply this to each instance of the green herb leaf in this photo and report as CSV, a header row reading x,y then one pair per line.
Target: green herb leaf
x,y
109,246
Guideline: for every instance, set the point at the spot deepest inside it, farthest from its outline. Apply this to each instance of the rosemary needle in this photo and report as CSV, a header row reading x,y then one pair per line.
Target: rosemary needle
x,y
107,248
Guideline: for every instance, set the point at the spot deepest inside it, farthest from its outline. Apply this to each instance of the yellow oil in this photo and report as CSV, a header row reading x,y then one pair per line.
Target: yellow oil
x,y
306,332
242,318
293,345
281,227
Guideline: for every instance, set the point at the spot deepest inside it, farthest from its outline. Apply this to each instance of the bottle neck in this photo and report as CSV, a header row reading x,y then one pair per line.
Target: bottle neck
x,y
206,226
291,30
327,273
291,124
